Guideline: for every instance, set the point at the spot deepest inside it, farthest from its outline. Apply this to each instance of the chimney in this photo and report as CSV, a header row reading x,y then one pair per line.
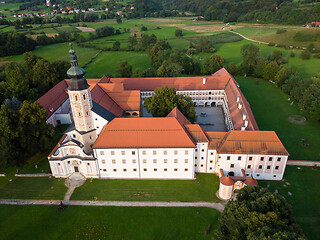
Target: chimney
x,y
238,98
204,81
244,116
240,105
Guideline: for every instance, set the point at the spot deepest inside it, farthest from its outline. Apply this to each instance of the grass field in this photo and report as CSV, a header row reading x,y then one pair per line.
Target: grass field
x,y
106,63
202,189
304,186
31,188
91,223
271,110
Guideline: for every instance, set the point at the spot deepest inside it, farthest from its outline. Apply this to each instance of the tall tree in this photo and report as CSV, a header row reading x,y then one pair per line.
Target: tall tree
x,y
251,57
124,69
165,99
258,214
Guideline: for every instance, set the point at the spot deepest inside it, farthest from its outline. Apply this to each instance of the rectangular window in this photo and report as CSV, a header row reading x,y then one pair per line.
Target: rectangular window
x,y
202,157
250,158
279,159
260,166
69,162
232,166
195,157
211,161
112,152
123,152
202,150
249,166
175,160
101,152
201,165
228,157
143,152
239,158
195,165
124,170
268,167
154,152
144,169
154,160
186,152
196,150
270,158
144,160
103,161
155,169
175,152
277,167
113,161
165,160
274,175
123,161
210,168
104,170
133,152
258,175
186,169
212,153
165,169
165,152
134,169
186,161
114,170
262,158
176,169
134,160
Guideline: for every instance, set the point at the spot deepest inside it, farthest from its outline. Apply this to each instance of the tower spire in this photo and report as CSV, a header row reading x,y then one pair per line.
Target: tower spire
x,y
76,73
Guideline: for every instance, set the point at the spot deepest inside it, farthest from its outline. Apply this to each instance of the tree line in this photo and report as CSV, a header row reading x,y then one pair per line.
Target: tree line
x,y
23,128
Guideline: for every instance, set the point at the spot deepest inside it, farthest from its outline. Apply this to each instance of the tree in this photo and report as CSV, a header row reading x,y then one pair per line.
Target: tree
x,y
123,69
258,214
178,33
116,46
16,80
165,99
205,45
305,54
270,70
212,64
34,133
233,69
251,57
138,72
311,98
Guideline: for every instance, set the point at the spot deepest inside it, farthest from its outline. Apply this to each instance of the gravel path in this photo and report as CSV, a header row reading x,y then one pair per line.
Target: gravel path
x,y
248,38
217,206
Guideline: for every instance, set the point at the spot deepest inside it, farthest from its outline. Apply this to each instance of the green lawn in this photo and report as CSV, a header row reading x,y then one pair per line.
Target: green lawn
x,y
106,63
90,223
272,109
304,186
202,189
31,188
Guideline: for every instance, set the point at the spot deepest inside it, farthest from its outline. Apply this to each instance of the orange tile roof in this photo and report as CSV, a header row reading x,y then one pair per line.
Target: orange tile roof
x,y
215,139
252,142
143,133
233,92
103,99
179,116
126,99
58,144
227,181
54,98
197,132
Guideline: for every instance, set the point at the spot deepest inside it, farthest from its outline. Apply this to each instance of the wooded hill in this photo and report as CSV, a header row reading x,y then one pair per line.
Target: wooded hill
x,y
262,11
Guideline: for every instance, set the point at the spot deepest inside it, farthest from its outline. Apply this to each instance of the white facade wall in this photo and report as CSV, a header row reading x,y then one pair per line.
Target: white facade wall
x,y
64,108
146,163
211,161
232,163
201,156
260,167
98,122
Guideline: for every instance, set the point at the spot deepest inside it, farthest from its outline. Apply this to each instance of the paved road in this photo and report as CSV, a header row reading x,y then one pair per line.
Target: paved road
x,y
302,163
217,206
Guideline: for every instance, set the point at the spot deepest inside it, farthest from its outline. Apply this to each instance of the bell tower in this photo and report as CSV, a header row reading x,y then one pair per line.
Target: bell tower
x,y
81,104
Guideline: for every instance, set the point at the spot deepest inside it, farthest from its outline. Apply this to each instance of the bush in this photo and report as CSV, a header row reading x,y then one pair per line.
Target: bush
x,y
143,28
292,54
305,54
178,33
279,31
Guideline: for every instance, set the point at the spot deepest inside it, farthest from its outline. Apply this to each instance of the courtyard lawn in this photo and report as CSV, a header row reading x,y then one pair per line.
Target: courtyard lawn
x,y
304,186
31,188
106,63
89,223
202,189
271,110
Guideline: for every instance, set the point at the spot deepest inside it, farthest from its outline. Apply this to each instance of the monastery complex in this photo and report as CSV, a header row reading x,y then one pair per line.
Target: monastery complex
x,y
109,136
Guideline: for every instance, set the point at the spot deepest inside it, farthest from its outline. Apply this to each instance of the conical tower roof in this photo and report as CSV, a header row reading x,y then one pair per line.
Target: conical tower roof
x,y
76,73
